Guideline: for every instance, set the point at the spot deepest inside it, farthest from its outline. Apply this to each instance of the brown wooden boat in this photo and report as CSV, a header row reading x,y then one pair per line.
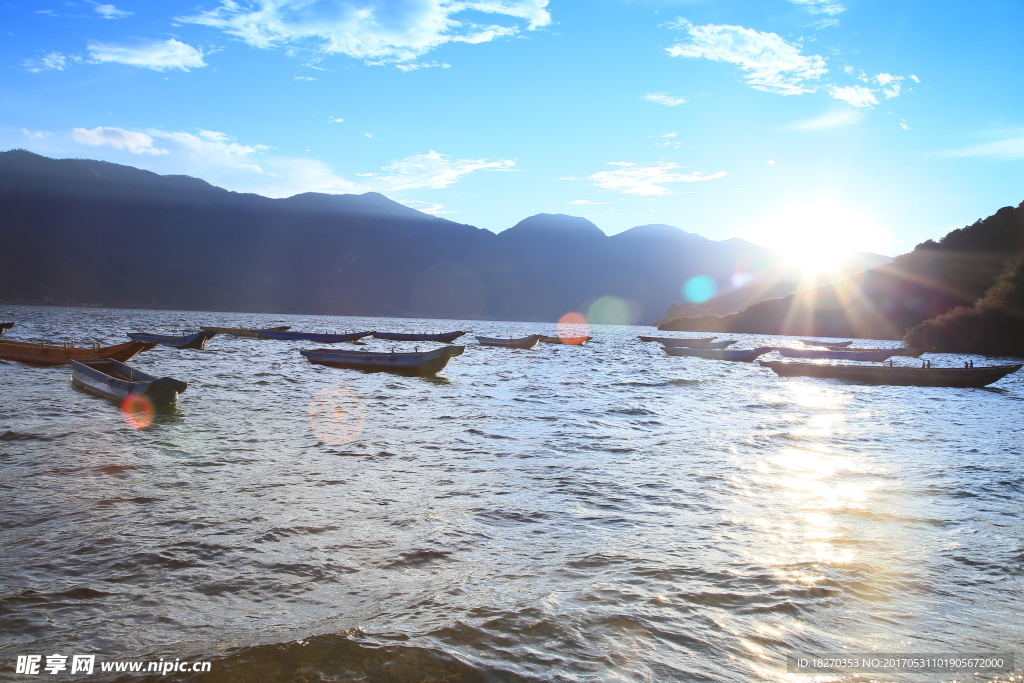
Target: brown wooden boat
x,y
243,331
897,375
52,354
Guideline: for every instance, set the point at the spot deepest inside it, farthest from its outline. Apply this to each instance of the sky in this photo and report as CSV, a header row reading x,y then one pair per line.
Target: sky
x,y
807,126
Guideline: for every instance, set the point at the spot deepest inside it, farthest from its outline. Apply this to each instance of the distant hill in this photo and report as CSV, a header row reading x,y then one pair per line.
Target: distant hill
x,y
85,232
886,301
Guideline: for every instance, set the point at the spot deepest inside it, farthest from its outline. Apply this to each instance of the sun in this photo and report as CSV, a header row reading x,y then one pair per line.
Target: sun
x,y
816,237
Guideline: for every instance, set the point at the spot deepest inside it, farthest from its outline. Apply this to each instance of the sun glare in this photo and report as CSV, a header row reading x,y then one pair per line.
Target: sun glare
x,y
816,237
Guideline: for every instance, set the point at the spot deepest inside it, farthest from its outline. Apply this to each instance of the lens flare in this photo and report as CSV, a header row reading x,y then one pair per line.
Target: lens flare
x,y
610,310
740,279
699,289
137,411
573,328
336,416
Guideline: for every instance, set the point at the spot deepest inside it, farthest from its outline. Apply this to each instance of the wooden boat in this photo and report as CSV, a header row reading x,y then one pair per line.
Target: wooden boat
x,y
242,331
114,379
738,355
831,345
521,343
196,340
323,338
4,327
51,354
426,363
572,341
868,355
664,340
699,345
901,376
446,337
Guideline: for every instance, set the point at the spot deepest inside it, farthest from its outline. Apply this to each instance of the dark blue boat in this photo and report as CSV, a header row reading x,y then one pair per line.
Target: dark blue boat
x,y
323,338
116,380
426,363
4,327
446,337
196,340
737,355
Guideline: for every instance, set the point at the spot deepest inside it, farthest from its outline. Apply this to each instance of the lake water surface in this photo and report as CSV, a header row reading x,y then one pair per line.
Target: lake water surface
x,y
594,513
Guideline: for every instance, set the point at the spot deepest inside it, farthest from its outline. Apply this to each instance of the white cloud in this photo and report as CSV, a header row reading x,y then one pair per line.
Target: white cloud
x,y
1008,146
434,171
380,31
904,125
885,79
158,55
35,135
54,61
646,179
772,64
833,119
587,202
820,6
664,98
118,138
771,162
111,12
335,119
915,78
855,95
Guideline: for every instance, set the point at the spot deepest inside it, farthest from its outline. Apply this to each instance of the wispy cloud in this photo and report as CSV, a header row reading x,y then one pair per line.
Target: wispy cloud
x,y
54,61
111,12
771,64
839,118
379,31
335,119
118,138
820,6
647,179
1007,145
157,55
664,98
854,95
434,171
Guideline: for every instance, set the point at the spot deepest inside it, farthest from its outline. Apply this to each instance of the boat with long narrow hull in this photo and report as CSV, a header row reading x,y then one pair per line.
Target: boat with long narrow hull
x,y
521,343
196,340
323,338
866,355
737,355
425,363
670,340
699,345
4,326
244,331
896,375
572,341
446,337
52,354
116,380
827,344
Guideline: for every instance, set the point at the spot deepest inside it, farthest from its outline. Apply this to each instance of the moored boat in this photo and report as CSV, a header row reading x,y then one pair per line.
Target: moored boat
x,y
446,337
52,354
896,375
699,345
738,355
4,326
323,338
425,363
116,380
244,331
572,341
867,355
669,340
827,344
521,343
196,340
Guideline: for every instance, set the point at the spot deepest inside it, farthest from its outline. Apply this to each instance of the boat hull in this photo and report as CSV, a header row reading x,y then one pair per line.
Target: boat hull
x,y
898,376
521,343
671,340
243,331
115,380
421,364
829,345
196,340
867,355
699,345
446,337
735,355
323,338
572,341
49,354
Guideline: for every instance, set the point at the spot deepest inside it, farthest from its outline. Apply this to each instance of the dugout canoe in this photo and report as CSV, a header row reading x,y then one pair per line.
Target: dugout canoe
x,y
699,344
116,380
867,355
423,364
196,340
669,340
53,354
899,376
323,338
446,337
828,344
521,343
572,341
244,331
737,355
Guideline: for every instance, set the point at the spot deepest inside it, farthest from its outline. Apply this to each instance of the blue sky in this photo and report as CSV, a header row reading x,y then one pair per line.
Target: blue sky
x,y
849,124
